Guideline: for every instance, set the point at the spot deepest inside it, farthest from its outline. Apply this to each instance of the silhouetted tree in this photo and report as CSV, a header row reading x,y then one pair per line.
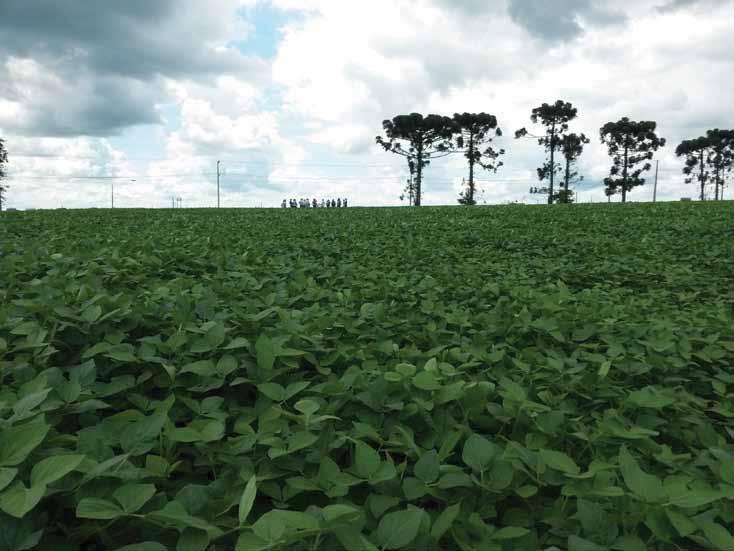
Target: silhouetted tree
x,y
3,162
629,143
426,138
572,146
555,119
720,157
475,134
696,152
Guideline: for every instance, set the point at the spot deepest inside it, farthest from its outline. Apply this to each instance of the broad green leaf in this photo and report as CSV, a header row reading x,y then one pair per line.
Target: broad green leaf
x,y
427,467
719,536
192,539
100,509
247,500
144,546
367,460
682,523
426,380
397,530
17,442
559,461
510,533
444,521
648,487
18,500
52,469
273,391
7,475
251,542
265,352
479,452
92,314
132,497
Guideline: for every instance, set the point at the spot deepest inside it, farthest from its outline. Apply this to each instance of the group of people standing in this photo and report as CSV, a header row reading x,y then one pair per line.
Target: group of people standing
x,y
314,203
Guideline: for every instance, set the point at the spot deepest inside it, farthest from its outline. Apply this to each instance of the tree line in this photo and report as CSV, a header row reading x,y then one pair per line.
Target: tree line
x,y
630,144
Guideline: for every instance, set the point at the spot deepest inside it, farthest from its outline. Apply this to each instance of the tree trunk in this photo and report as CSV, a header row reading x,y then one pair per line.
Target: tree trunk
x,y
471,169
418,176
567,178
552,164
717,180
624,171
703,182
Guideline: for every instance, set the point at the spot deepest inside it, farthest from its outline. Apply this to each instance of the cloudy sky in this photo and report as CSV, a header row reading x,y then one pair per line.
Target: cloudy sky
x,y
290,94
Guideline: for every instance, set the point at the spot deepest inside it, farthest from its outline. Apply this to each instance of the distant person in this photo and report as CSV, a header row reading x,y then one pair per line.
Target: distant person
x,y
328,203
339,203
282,205
323,204
345,202
315,203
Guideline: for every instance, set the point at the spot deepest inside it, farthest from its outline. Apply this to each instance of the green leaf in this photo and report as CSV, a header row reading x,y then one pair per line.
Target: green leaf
x,y
719,536
629,543
559,461
479,453
100,509
247,500
682,523
510,533
239,342
427,467
367,460
444,521
648,487
273,391
132,497
576,543
144,546
426,380
396,530
52,469
251,542
192,539
265,352
7,475
17,442
92,314
18,500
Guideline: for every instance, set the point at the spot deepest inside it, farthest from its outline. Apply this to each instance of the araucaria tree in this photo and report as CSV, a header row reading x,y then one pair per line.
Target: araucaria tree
x,y
721,157
475,134
572,146
420,139
630,143
555,119
708,158
3,162
696,152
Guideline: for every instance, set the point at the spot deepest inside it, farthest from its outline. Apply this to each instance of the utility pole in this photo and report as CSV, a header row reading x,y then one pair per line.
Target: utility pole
x,y
112,193
655,187
218,162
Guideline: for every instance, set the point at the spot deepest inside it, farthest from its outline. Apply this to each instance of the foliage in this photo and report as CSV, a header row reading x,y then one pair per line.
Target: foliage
x,y
307,379
420,139
629,143
555,119
476,131
572,146
708,157
3,162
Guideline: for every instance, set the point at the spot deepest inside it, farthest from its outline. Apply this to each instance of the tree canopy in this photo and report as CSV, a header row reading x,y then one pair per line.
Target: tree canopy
x,y
475,133
555,118
420,139
630,144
